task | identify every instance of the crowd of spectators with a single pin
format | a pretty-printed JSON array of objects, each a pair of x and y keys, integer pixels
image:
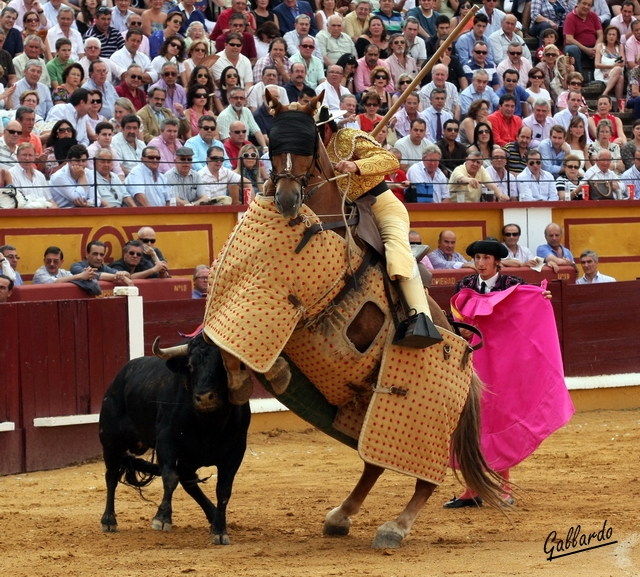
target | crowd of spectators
[{"x": 149, "y": 104}]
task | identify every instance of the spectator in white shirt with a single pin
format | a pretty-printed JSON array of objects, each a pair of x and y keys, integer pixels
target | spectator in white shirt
[
  {"x": 145, "y": 183},
  {"x": 601, "y": 170},
  {"x": 589, "y": 264},
  {"x": 64, "y": 29},
  {"x": 75, "y": 111},
  {"x": 72, "y": 185},
  {"x": 427, "y": 179},
  {"x": 539, "y": 122},
  {"x": 535, "y": 183},
  {"x": 518, "y": 255},
  {"x": 126, "y": 144},
  {"x": 130, "y": 54},
  {"x": 219, "y": 183},
  {"x": 29, "y": 180}
]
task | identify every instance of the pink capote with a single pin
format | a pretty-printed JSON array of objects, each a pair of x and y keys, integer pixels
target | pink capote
[{"x": 526, "y": 398}]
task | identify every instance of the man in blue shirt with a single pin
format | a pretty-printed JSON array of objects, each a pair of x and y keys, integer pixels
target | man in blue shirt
[
  {"x": 204, "y": 141},
  {"x": 72, "y": 185},
  {"x": 553, "y": 151},
  {"x": 510, "y": 86},
  {"x": 289, "y": 10},
  {"x": 464, "y": 44},
  {"x": 632, "y": 176},
  {"x": 553, "y": 253}
]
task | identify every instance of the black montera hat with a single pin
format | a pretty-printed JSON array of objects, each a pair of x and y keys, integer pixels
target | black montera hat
[{"x": 488, "y": 247}]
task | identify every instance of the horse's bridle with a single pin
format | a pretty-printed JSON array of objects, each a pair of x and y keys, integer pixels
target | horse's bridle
[{"x": 301, "y": 179}]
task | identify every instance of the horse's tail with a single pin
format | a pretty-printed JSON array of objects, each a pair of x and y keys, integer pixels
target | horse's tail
[{"x": 466, "y": 451}]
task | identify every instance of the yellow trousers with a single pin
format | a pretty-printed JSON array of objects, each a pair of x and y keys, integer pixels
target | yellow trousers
[{"x": 392, "y": 219}]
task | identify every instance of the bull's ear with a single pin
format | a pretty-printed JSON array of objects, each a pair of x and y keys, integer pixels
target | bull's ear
[
  {"x": 272, "y": 102},
  {"x": 178, "y": 365},
  {"x": 315, "y": 104}
]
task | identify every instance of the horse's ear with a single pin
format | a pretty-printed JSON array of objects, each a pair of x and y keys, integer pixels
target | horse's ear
[
  {"x": 315, "y": 104},
  {"x": 273, "y": 104}
]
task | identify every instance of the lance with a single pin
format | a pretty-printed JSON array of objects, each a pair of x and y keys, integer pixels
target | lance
[{"x": 425, "y": 70}]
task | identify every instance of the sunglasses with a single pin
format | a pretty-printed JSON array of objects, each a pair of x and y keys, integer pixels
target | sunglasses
[
  {"x": 208, "y": 128},
  {"x": 202, "y": 76},
  {"x": 136, "y": 24},
  {"x": 234, "y": 45},
  {"x": 484, "y": 132},
  {"x": 216, "y": 158},
  {"x": 380, "y": 77},
  {"x": 231, "y": 75},
  {"x": 169, "y": 74},
  {"x": 405, "y": 82},
  {"x": 532, "y": 162},
  {"x": 515, "y": 53},
  {"x": 399, "y": 42},
  {"x": 511, "y": 234},
  {"x": 371, "y": 104},
  {"x": 249, "y": 155},
  {"x": 185, "y": 159},
  {"x": 96, "y": 102},
  {"x": 511, "y": 80},
  {"x": 14, "y": 132},
  {"x": 481, "y": 51},
  {"x": 575, "y": 83},
  {"x": 31, "y": 20},
  {"x": 198, "y": 50},
  {"x": 537, "y": 77},
  {"x": 307, "y": 46},
  {"x": 133, "y": 253},
  {"x": 573, "y": 166},
  {"x": 552, "y": 54},
  {"x": 449, "y": 129},
  {"x": 149, "y": 240},
  {"x": 135, "y": 76},
  {"x": 239, "y": 131},
  {"x": 151, "y": 158}
]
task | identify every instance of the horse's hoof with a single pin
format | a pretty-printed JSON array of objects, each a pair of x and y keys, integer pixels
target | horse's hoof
[
  {"x": 221, "y": 539},
  {"x": 160, "y": 525},
  {"x": 109, "y": 528},
  {"x": 240, "y": 394},
  {"x": 336, "y": 524},
  {"x": 388, "y": 536},
  {"x": 279, "y": 376}
]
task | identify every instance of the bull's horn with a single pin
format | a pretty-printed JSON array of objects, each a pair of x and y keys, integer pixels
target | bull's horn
[{"x": 177, "y": 351}]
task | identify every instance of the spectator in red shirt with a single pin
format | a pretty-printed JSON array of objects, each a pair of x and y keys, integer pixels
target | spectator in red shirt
[
  {"x": 237, "y": 139},
  {"x": 582, "y": 31},
  {"x": 504, "y": 122},
  {"x": 131, "y": 88}
]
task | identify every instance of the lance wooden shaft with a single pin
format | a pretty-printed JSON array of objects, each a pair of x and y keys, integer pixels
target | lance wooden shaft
[{"x": 425, "y": 70}]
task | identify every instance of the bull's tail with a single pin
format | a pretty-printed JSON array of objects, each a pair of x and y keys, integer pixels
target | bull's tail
[
  {"x": 138, "y": 472},
  {"x": 466, "y": 451}
]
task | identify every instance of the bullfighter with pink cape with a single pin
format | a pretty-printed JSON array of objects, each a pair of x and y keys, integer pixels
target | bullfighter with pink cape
[{"x": 526, "y": 398}]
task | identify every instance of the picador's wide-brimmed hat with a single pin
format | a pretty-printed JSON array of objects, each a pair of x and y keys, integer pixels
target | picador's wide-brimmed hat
[{"x": 488, "y": 247}]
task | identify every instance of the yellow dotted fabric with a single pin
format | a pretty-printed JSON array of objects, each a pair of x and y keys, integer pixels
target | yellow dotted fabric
[
  {"x": 411, "y": 434},
  {"x": 248, "y": 311}
]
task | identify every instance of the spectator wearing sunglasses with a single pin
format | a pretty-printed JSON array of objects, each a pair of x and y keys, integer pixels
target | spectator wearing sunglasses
[
  {"x": 134, "y": 22},
  {"x": 480, "y": 60},
  {"x": 220, "y": 184},
  {"x": 176, "y": 100},
  {"x": 147, "y": 236},
  {"x": 501, "y": 39},
  {"x": 155, "y": 112},
  {"x": 237, "y": 139},
  {"x": 75, "y": 111},
  {"x": 466, "y": 42},
  {"x": 189, "y": 12},
  {"x": 9, "y": 144},
  {"x": 172, "y": 51},
  {"x": 535, "y": 183},
  {"x": 518, "y": 255},
  {"x": 131, "y": 87},
  {"x": 145, "y": 183},
  {"x": 132, "y": 261},
  {"x": 232, "y": 56},
  {"x": 515, "y": 61}
]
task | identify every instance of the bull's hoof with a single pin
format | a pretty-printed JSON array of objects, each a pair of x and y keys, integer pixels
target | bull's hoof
[
  {"x": 160, "y": 525},
  {"x": 221, "y": 539},
  {"x": 109, "y": 528},
  {"x": 279, "y": 376},
  {"x": 336, "y": 523},
  {"x": 388, "y": 536}
]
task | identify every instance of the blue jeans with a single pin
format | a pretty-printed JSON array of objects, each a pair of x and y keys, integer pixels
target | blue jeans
[
  {"x": 573, "y": 50},
  {"x": 635, "y": 104}
]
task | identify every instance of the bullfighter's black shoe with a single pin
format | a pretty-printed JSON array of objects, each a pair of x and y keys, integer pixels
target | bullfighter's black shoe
[{"x": 456, "y": 503}]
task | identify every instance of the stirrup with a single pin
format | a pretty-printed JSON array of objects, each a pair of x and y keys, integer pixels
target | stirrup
[{"x": 417, "y": 332}]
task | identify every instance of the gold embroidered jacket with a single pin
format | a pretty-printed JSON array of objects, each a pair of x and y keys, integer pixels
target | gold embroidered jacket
[{"x": 373, "y": 161}]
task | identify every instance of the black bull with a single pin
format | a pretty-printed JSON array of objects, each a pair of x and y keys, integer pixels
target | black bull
[{"x": 180, "y": 407}]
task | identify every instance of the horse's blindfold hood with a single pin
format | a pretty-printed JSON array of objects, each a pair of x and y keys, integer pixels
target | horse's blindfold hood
[{"x": 293, "y": 132}]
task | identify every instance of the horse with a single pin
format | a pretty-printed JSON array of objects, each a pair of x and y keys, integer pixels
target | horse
[{"x": 307, "y": 179}]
